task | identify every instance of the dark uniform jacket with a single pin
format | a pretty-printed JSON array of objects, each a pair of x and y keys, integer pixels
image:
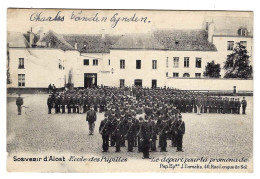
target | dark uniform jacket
[
  {"x": 105, "y": 127},
  {"x": 49, "y": 102},
  {"x": 180, "y": 128},
  {"x": 146, "y": 131},
  {"x": 91, "y": 116},
  {"x": 130, "y": 130},
  {"x": 19, "y": 101}
]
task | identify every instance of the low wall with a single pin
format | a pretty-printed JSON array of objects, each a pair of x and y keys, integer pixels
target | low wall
[{"x": 210, "y": 84}]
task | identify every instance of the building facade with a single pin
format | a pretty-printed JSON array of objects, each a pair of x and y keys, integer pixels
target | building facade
[{"x": 36, "y": 60}]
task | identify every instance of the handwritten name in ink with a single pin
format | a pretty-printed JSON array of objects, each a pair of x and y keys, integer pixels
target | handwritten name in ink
[
  {"x": 40, "y": 17},
  {"x": 115, "y": 19}
]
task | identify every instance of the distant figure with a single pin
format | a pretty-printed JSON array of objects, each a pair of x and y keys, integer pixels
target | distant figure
[
  {"x": 91, "y": 118},
  {"x": 244, "y": 104},
  {"x": 49, "y": 89},
  {"x": 53, "y": 88},
  {"x": 49, "y": 104},
  {"x": 198, "y": 104},
  {"x": 19, "y": 103}
]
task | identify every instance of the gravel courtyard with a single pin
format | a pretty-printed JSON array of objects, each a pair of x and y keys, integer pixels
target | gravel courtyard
[{"x": 208, "y": 135}]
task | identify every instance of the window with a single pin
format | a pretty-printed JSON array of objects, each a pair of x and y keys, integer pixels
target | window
[
  {"x": 185, "y": 75},
  {"x": 186, "y": 62},
  {"x": 244, "y": 43},
  {"x": 154, "y": 83},
  {"x": 95, "y": 62},
  {"x": 175, "y": 62},
  {"x": 138, "y": 82},
  {"x": 122, "y": 64},
  {"x": 198, "y": 62},
  {"x": 167, "y": 62},
  {"x": 154, "y": 64},
  {"x": 60, "y": 65},
  {"x": 230, "y": 45},
  {"x": 197, "y": 75},
  {"x": 242, "y": 32},
  {"x": 166, "y": 74},
  {"x": 122, "y": 83},
  {"x": 21, "y": 63},
  {"x": 21, "y": 79},
  {"x": 176, "y": 75},
  {"x": 108, "y": 61},
  {"x": 86, "y": 62},
  {"x": 138, "y": 64}
]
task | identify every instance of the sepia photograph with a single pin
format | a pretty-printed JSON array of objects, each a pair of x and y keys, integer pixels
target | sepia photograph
[{"x": 99, "y": 91}]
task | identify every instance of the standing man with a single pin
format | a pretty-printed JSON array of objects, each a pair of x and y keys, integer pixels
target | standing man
[
  {"x": 49, "y": 89},
  {"x": 130, "y": 134},
  {"x": 104, "y": 130},
  {"x": 163, "y": 132},
  {"x": 180, "y": 131},
  {"x": 146, "y": 137},
  {"x": 49, "y": 104},
  {"x": 244, "y": 104},
  {"x": 91, "y": 118},
  {"x": 19, "y": 103}
]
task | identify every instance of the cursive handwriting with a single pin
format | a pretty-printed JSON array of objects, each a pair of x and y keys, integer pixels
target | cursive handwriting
[{"x": 38, "y": 17}]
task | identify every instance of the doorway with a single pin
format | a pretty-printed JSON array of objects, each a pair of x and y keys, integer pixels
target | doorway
[
  {"x": 154, "y": 83},
  {"x": 90, "y": 80}
]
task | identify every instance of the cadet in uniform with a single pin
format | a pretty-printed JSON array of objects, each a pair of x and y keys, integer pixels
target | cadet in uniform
[
  {"x": 130, "y": 134},
  {"x": 104, "y": 130},
  {"x": 244, "y": 105},
  {"x": 49, "y": 104},
  {"x": 118, "y": 131},
  {"x": 163, "y": 131},
  {"x": 146, "y": 134},
  {"x": 19, "y": 103},
  {"x": 180, "y": 131},
  {"x": 91, "y": 118}
]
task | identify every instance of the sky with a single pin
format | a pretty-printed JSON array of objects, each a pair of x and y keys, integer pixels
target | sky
[{"x": 22, "y": 20}]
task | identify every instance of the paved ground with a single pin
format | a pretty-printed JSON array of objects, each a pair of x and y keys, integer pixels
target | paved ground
[{"x": 208, "y": 135}]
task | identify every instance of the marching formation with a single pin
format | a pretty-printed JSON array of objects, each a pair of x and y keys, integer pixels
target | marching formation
[
  {"x": 140, "y": 117},
  {"x": 79, "y": 101}
]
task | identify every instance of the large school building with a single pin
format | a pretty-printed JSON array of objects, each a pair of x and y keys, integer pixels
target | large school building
[{"x": 156, "y": 59}]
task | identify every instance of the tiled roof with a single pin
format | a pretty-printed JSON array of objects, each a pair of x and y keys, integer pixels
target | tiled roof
[
  {"x": 228, "y": 26},
  {"x": 16, "y": 39},
  {"x": 184, "y": 40},
  {"x": 175, "y": 40},
  {"x": 56, "y": 40},
  {"x": 138, "y": 41},
  {"x": 92, "y": 43}
]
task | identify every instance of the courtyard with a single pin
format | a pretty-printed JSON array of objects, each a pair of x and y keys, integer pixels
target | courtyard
[{"x": 207, "y": 135}]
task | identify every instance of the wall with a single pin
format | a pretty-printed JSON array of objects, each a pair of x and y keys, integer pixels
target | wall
[
  {"x": 206, "y": 56},
  {"x": 130, "y": 73},
  {"x": 210, "y": 84},
  {"x": 41, "y": 67}
]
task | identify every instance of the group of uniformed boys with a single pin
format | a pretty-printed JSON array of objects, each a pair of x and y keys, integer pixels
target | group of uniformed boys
[
  {"x": 79, "y": 101},
  {"x": 141, "y": 116}
]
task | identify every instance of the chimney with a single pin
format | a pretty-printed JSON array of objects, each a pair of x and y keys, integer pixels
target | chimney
[
  {"x": 40, "y": 32},
  {"x": 76, "y": 46},
  {"x": 210, "y": 28},
  {"x": 31, "y": 38}
]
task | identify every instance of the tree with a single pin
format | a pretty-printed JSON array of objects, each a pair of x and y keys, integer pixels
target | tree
[
  {"x": 237, "y": 64},
  {"x": 212, "y": 70}
]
